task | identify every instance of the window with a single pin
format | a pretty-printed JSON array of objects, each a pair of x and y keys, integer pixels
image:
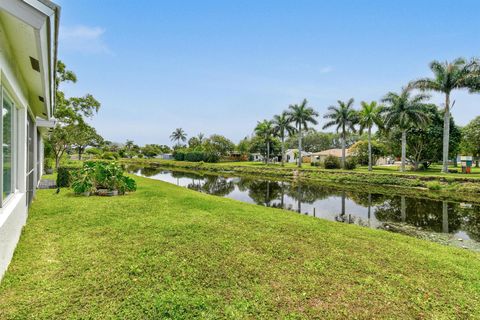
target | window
[{"x": 8, "y": 150}]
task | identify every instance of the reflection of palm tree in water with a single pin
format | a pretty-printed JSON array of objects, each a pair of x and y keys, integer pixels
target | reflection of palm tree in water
[
  {"x": 403, "y": 209},
  {"x": 342, "y": 216},
  {"x": 445, "y": 216}
]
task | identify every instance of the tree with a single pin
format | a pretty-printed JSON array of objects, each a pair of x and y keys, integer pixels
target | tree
[
  {"x": 404, "y": 112},
  {"x": 70, "y": 113},
  {"x": 344, "y": 117},
  {"x": 84, "y": 135},
  {"x": 449, "y": 76},
  {"x": 302, "y": 116},
  {"x": 265, "y": 130},
  {"x": 178, "y": 135},
  {"x": 152, "y": 150},
  {"x": 365, "y": 152},
  {"x": 281, "y": 127},
  {"x": 244, "y": 146},
  {"x": 257, "y": 144},
  {"x": 471, "y": 138},
  {"x": 368, "y": 116},
  {"x": 219, "y": 145}
]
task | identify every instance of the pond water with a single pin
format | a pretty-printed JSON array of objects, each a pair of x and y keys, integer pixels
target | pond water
[{"x": 460, "y": 221}]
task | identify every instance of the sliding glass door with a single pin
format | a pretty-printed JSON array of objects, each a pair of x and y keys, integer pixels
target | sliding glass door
[{"x": 8, "y": 151}]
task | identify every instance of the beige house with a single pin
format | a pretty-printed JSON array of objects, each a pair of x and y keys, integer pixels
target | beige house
[{"x": 320, "y": 156}]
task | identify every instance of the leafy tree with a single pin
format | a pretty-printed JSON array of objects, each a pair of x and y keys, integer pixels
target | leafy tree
[
  {"x": 194, "y": 143},
  {"x": 70, "y": 113},
  {"x": 84, "y": 135},
  {"x": 368, "y": 116},
  {"x": 219, "y": 145},
  {"x": 257, "y": 144},
  {"x": 344, "y": 117},
  {"x": 151, "y": 150},
  {"x": 178, "y": 136},
  {"x": 281, "y": 127},
  {"x": 129, "y": 150},
  {"x": 405, "y": 112},
  {"x": 265, "y": 130},
  {"x": 366, "y": 152},
  {"x": 449, "y": 76},
  {"x": 243, "y": 146},
  {"x": 302, "y": 116},
  {"x": 425, "y": 144},
  {"x": 471, "y": 138}
]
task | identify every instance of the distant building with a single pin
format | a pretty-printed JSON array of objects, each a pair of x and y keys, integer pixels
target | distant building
[
  {"x": 322, "y": 155},
  {"x": 291, "y": 155},
  {"x": 165, "y": 156}
]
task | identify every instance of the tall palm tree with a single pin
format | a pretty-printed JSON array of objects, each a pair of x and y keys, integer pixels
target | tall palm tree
[
  {"x": 368, "y": 116},
  {"x": 201, "y": 138},
  {"x": 178, "y": 135},
  {"x": 282, "y": 125},
  {"x": 344, "y": 117},
  {"x": 404, "y": 112},
  {"x": 302, "y": 116},
  {"x": 265, "y": 130},
  {"x": 449, "y": 76}
]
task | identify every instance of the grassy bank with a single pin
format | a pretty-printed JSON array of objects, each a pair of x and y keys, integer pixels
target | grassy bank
[
  {"x": 436, "y": 185},
  {"x": 168, "y": 252}
]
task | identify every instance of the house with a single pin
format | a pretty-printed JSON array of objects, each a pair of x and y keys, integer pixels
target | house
[
  {"x": 320, "y": 156},
  {"x": 257, "y": 157},
  {"x": 291, "y": 156},
  {"x": 165, "y": 156},
  {"x": 28, "y": 49}
]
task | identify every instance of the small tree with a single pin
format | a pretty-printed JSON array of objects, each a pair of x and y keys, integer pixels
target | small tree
[{"x": 265, "y": 130}]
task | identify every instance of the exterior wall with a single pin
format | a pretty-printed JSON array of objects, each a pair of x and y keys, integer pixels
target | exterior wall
[{"x": 13, "y": 213}]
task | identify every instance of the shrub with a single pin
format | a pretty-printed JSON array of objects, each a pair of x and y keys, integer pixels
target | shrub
[
  {"x": 110, "y": 155},
  {"x": 97, "y": 175},
  {"x": 434, "y": 185},
  {"x": 194, "y": 156},
  {"x": 179, "y": 155},
  {"x": 350, "y": 163},
  {"x": 331, "y": 162},
  {"x": 211, "y": 157},
  {"x": 64, "y": 176}
]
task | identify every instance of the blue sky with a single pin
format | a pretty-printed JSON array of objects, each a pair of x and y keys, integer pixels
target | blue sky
[{"x": 220, "y": 66}]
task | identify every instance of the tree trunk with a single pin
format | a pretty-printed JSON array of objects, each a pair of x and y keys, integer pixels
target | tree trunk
[
  {"x": 343, "y": 148},
  {"x": 300, "y": 146},
  {"x": 446, "y": 133},
  {"x": 403, "y": 209},
  {"x": 369, "y": 148},
  {"x": 404, "y": 150},
  {"x": 57, "y": 161},
  {"x": 445, "y": 216},
  {"x": 79, "y": 153},
  {"x": 268, "y": 152},
  {"x": 283, "y": 150}
]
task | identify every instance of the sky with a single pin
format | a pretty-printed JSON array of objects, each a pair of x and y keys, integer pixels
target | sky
[{"x": 220, "y": 66}]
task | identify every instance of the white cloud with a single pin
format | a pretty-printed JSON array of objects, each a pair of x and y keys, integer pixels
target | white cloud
[
  {"x": 83, "y": 39},
  {"x": 326, "y": 69}
]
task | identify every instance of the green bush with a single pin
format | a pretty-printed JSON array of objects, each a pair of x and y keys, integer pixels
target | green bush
[
  {"x": 211, "y": 157},
  {"x": 64, "y": 176},
  {"x": 434, "y": 185},
  {"x": 110, "y": 155},
  {"x": 331, "y": 162},
  {"x": 179, "y": 155},
  {"x": 350, "y": 163},
  {"x": 97, "y": 175},
  {"x": 194, "y": 156}
]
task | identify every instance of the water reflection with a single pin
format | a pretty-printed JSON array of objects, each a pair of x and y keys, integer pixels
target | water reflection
[{"x": 362, "y": 208}]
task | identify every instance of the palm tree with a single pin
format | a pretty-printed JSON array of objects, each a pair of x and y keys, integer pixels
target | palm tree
[
  {"x": 404, "y": 112},
  {"x": 265, "y": 130},
  {"x": 302, "y": 116},
  {"x": 368, "y": 116},
  {"x": 344, "y": 117},
  {"x": 281, "y": 126},
  {"x": 449, "y": 76},
  {"x": 201, "y": 138},
  {"x": 178, "y": 135}
]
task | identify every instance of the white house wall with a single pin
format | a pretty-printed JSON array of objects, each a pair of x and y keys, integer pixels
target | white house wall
[{"x": 13, "y": 213}]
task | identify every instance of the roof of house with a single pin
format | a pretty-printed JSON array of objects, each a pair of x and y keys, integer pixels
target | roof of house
[
  {"x": 31, "y": 29},
  {"x": 331, "y": 152}
]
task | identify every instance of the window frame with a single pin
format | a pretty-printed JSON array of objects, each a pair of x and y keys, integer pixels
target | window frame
[{"x": 14, "y": 146}]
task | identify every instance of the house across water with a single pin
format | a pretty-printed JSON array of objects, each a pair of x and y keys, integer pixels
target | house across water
[{"x": 28, "y": 54}]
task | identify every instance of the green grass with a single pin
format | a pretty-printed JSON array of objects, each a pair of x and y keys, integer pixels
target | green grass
[{"x": 168, "y": 252}]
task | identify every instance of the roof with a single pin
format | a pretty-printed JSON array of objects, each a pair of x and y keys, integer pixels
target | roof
[
  {"x": 331, "y": 152},
  {"x": 31, "y": 31}
]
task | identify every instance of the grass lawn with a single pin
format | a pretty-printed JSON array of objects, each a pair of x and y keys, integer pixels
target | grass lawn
[{"x": 168, "y": 252}]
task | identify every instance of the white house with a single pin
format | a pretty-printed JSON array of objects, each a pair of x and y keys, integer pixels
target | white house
[
  {"x": 322, "y": 155},
  {"x": 28, "y": 53},
  {"x": 291, "y": 155}
]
